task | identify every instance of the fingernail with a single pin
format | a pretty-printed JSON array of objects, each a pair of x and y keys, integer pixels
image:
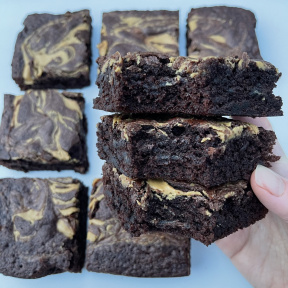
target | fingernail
[{"x": 269, "y": 180}]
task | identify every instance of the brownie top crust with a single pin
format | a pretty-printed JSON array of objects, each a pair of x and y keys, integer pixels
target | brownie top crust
[
  {"x": 43, "y": 126},
  {"x": 52, "y": 46},
  {"x": 40, "y": 222},
  {"x": 106, "y": 229},
  {"x": 220, "y": 128},
  {"x": 135, "y": 31},
  {"x": 182, "y": 66},
  {"x": 150, "y": 82},
  {"x": 221, "y": 31}
]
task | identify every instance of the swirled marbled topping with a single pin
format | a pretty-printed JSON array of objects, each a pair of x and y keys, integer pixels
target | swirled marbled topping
[
  {"x": 57, "y": 48},
  {"x": 43, "y": 126},
  {"x": 135, "y": 31},
  {"x": 221, "y": 31}
]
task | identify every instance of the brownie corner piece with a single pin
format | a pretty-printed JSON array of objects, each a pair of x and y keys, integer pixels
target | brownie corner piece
[
  {"x": 42, "y": 226},
  {"x": 44, "y": 130},
  {"x": 135, "y": 31},
  {"x": 53, "y": 51},
  {"x": 206, "y": 215},
  {"x": 110, "y": 249},
  {"x": 221, "y": 31}
]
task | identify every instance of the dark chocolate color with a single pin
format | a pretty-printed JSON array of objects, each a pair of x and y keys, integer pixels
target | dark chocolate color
[
  {"x": 207, "y": 151},
  {"x": 182, "y": 208},
  {"x": 156, "y": 83}
]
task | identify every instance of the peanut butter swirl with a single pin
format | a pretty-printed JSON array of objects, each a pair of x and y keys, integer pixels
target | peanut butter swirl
[
  {"x": 52, "y": 47},
  {"x": 43, "y": 126},
  {"x": 221, "y": 31},
  {"x": 223, "y": 129},
  {"x": 134, "y": 31},
  {"x": 41, "y": 223},
  {"x": 42, "y": 203}
]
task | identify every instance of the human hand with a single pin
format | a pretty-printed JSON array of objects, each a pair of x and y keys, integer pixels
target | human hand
[{"x": 260, "y": 252}]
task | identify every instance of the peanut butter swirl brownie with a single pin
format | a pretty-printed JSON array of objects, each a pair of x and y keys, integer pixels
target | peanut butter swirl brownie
[
  {"x": 157, "y": 83},
  {"x": 206, "y": 151},
  {"x": 221, "y": 31},
  {"x": 182, "y": 208},
  {"x": 53, "y": 51},
  {"x": 111, "y": 249},
  {"x": 43, "y": 226},
  {"x": 44, "y": 130},
  {"x": 135, "y": 31}
]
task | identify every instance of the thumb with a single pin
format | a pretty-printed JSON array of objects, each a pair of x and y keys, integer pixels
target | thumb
[{"x": 272, "y": 190}]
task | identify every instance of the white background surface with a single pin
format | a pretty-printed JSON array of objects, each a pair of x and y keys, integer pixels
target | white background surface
[{"x": 210, "y": 268}]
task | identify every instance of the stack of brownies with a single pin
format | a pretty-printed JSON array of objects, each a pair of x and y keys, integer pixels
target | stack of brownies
[
  {"x": 110, "y": 248},
  {"x": 173, "y": 164}
]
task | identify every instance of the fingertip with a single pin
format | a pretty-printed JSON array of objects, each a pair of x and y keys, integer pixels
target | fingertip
[{"x": 271, "y": 189}]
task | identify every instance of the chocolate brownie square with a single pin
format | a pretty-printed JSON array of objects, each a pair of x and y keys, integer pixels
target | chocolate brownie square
[
  {"x": 43, "y": 226},
  {"x": 206, "y": 151},
  {"x": 111, "y": 249},
  {"x": 135, "y": 31},
  {"x": 214, "y": 86},
  {"x": 182, "y": 208},
  {"x": 44, "y": 130},
  {"x": 221, "y": 31},
  {"x": 53, "y": 51}
]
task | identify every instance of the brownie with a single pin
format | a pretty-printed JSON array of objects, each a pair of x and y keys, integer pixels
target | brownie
[
  {"x": 221, "y": 31},
  {"x": 156, "y": 83},
  {"x": 135, "y": 31},
  {"x": 53, "y": 51},
  {"x": 44, "y": 130},
  {"x": 207, "y": 151},
  {"x": 182, "y": 208},
  {"x": 111, "y": 249},
  {"x": 43, "y": 226}
]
